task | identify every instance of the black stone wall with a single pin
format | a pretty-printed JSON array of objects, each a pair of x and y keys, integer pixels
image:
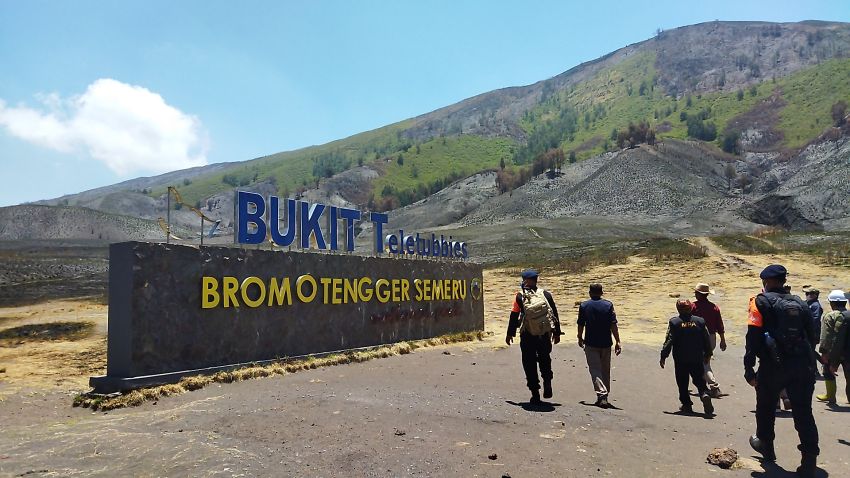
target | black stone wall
[{"x": 157, "y": 324}]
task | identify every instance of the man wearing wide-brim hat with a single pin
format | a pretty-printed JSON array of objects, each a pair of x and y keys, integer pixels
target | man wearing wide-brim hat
[{"x": 714, "y": 324}]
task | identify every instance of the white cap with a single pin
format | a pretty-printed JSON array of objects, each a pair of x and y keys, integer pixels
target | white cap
[{"x": 837, "y": 296}]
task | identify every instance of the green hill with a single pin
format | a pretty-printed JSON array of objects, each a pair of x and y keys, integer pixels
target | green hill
[{"x": 739, "y": 86}]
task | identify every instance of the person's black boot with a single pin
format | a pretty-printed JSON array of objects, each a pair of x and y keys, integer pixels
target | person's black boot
[
  {"x": 764, "y": 447},
  {"x": 547, "y": 389},
  {"x": 808, "y": 465},
  {"x": 535, "y": 396}
]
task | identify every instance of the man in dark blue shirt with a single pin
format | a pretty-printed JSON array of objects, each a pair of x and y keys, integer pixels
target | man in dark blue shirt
[{"x": 597, "y": 322}]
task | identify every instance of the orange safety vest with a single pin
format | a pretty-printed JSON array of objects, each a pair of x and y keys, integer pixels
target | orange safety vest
[{"x": 754, "y": 317}]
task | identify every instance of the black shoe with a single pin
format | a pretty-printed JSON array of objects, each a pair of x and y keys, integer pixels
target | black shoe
[
  {"x": 535, "y": 397},
  {"x": 808, "y": 465},
  {"x": 547, "y": 389},
  {"x": 603, "y": 403},
  {"x": 764, "y": 447},
  {"x": 707, "y": 407},
  {"x": 687, "y": 408}
]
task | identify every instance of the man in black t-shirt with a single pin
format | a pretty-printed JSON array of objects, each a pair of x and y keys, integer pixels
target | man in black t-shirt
[{"x": 597, "y": 322}]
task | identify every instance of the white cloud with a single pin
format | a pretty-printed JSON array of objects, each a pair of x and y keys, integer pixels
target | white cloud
[{"x": 129, "y": 128}]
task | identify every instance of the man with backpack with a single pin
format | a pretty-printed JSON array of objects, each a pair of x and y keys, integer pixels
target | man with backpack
[
  {"x": 535, "y": 314},
  {"x": 835, "y": 345},
  {"x": 781, "y": 335}
]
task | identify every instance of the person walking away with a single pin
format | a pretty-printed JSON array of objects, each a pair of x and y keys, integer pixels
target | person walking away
[
  {"x": 780, "y": 336},
  {"x": 535, "y": 314},
  {"x": 812, "y": 296},
  {"x": 687, "y": 337},
  {"x": 597, "y": 323},
  {"x": 714, "y": 323},
  {"x": 835, "y": 345}
]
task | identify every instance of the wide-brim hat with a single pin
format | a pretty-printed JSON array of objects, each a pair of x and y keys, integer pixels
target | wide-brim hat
[
  {"x": 837, "y": 295},
  {"x": 703, "y": 289}
]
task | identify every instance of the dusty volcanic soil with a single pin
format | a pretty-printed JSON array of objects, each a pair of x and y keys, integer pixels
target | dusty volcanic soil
[{"x": 436, "y": 412}]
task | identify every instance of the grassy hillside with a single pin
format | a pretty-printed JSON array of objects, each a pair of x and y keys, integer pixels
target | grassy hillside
[
  {"x": 582, "y": 119},
  {"x": 585, "y": 118}
]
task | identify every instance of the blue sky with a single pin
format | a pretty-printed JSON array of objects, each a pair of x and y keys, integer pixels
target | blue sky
[{"x": 93, "y": 93}]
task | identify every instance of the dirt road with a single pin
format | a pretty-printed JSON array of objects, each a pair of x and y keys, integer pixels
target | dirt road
[{"x": 436, "y": 412}]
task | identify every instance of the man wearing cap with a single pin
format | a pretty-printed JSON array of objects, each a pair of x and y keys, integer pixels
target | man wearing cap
[
  {"x": 835, "y": 345},
  {"x": 597, "y": 322},
  {"x": 812, "y": 296},
  {"x": 687, "y": 337},
  {"x": 535, "y": 340},
  {"x": 714, "y": 323},
  {"x": 781, "y": 336}
]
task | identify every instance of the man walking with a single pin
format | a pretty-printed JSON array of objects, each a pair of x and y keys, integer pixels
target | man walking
[
  {"x": 687, "y": 337},
  {"x": 781, "y": 336},
  {"x": 714, "y": 323},
  {"x": 597, "y": 322},
  {"x": 812, "y": 296},
  {"x": 535, "y": 314},
  {"x": 835, "y": 345}
]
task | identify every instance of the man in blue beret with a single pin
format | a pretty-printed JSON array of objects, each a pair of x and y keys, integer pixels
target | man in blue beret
[
  {"x": 536, "y": 316},
  {"x": 780, "y": 334}
]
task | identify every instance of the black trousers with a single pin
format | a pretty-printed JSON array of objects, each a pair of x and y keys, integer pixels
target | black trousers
[
  {"x": 536, "y": 349},
  {"x": 798, "y": 379},
  {"x": 686, "y": 370}
]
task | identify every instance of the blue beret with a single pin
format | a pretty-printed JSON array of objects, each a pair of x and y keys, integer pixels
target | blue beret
[
  {"x": 529, "y": 274},
  {"x": 773, "y": 271}
]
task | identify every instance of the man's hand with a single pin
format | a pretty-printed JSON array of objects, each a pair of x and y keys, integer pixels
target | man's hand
[
  {"x": 750, "y": 377},
  {"x": 508, "y": 339},
  {"x": 556, "y": 337},
  {"x": 662, "y": 363},
  {"x": 833, "y": 369},
  {"x": 581, "y": 342},
  {"x": 617, "y": 349},
  {"x": 722, "y": 345}
]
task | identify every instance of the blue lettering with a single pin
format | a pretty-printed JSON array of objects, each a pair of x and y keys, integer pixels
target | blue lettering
[
  {"x": 409, "y": 245},
  {"x": 245, "y": 217},
  {"x": 378, "y": 220},
  {"x": 310, "y": 215},
  {"x": 392, "y": 243},
  {"x": 350, "y": 215},
  {"x": 288, "y": 237},
  {"x": 332, "y": 227}
]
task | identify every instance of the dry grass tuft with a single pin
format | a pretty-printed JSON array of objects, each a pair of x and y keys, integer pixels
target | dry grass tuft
[{"x": 135, "y": 398}]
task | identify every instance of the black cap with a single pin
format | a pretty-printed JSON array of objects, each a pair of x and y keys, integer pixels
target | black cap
[
  {"x": 773, "y": 271},
  {"x": 529, "y": 274}
]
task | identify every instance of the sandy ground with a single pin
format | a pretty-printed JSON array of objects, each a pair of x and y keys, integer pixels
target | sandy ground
[{"x": 437, "y": 412}]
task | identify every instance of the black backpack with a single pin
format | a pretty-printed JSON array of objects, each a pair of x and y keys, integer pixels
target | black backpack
[{"x": 787, "y": 326}]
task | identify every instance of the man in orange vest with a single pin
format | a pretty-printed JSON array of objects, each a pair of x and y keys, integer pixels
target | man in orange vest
[
  {"x": 536, "y": 345},
  {"x": 781, "y": 336}
]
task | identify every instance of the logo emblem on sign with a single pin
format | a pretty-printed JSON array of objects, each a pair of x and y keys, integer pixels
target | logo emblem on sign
[{"x": 476, "y": 289}]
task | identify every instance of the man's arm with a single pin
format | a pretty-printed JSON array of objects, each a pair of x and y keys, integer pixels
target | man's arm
[
  {"x": 668, "y": 343},
  {"x": 706, "y": 344},
  {"x": 721, "y": 330},
  {"x": 557, "y": 320},
  {"x": 580, "y": 325},
  {"x": 615, "y": 331},
  {"x": 513, "y": 321}
]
